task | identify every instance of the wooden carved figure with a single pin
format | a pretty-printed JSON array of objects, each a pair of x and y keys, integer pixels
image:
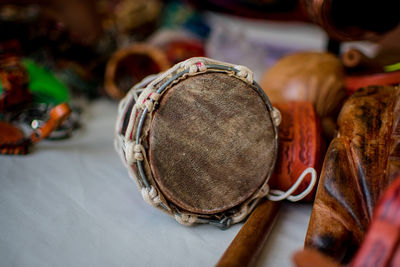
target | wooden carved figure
[{"x": 360, "y": 163}]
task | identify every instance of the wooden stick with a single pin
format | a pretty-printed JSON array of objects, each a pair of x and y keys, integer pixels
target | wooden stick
[{"x": 248, "y": 243}]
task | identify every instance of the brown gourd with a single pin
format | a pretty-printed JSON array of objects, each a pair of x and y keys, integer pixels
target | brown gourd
[{"x": 309, "y": 76}]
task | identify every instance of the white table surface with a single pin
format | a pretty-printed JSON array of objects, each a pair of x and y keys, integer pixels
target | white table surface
[{"x": 72, "y": 203}]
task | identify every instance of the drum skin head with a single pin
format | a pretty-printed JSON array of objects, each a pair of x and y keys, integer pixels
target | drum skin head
[{"x": 211, "y": 143}]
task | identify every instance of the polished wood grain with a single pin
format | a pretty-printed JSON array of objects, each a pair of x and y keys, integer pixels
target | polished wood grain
[
  {"x": 313, "y": 258},
  {"x": 245, "y": 248},
  {"x": 360, "y": 163}
]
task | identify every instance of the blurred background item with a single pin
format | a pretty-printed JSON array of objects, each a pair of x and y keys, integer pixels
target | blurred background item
[
  {"x": 13, "y": 140},
  {"x": 309, "y": 76},
  {"x": 353, "y": 20},
  {"x": 130, "y": 65},
  {"x": 288, "y": 10}
]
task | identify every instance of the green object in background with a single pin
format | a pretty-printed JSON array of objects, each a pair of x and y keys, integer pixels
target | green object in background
[
  {"x": 392, "y": 67},
  {"x": 45, "y": 87}
]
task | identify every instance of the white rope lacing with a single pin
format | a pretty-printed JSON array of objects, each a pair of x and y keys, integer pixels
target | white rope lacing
[
  {"x": 278, "y": 195},
  {"x": 133, "y": 152},
  {"x": 151, "y": 196},
  {"x": 241, "y": 215},
  {"x": 194, "y": 65},
  {"x": 245, "y": 72},
  {"x": 185, "y": 219},
  {"x": 276, "y": 116}
]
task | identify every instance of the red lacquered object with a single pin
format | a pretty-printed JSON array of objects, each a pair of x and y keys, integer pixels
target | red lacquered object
[
  {"x": 300, "y": 146},
  {"x": 353, "y": 83},
  {"x": 381, "y": 244}
]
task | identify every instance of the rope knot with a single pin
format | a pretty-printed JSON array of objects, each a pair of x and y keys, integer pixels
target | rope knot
[
  {"x": 185, "y": 219},
  {"x": 155, "y": 96},
  {"x": 195, "y": 65},
  {"x": 133, "y": 152},
  {"x": 138, "y": 148},
  {"x": 148, "y": 102},
  {"x": 276, "y": 117},
  {"x": 151, "y": 196},
  {"x": 245, "y": 73},
  {"x": 149, "y": 105}
]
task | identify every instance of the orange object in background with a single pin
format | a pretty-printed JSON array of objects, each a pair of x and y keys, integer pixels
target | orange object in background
[
  {"x": 12, "y": 140},
  {"x": 353, "y": 83},
  {"x": 130, "y": 65},
  {"x": 14, "y": 79},
  {"x": 309, "y": 76}
]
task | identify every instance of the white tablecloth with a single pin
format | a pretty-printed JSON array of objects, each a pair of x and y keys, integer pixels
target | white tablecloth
[{"x": 72, "y": 203}]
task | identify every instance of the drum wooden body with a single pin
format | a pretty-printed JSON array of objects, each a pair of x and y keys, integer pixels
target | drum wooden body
[
  {"x": 300, "y": 146},
  {"x": 201, "y": 141}
]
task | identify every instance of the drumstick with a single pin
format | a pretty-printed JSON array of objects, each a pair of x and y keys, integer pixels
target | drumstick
[{"x": 247, "y": 245}]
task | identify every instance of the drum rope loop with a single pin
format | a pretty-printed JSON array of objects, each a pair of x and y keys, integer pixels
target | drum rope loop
[
  {"x": 151, "y": 196},
  {"x": 185, "y": 219},
  {"x": 194, "y": 65},
  {"x": 133, "y": 152},
  {"x": 278, "y": 195},
  {"x": 276, "y": 116},
  {"x": 149, "y": 105},
  {"x": 244, "y": 211},
  {"x": 245, "y": 72},
  {"x": 155, "y": 96}
]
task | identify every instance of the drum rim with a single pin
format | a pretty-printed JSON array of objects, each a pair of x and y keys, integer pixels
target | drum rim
[{"x": 131, "y": 139}]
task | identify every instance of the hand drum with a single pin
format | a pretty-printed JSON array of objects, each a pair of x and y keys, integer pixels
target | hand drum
[{"x": 201, "y": 141}]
